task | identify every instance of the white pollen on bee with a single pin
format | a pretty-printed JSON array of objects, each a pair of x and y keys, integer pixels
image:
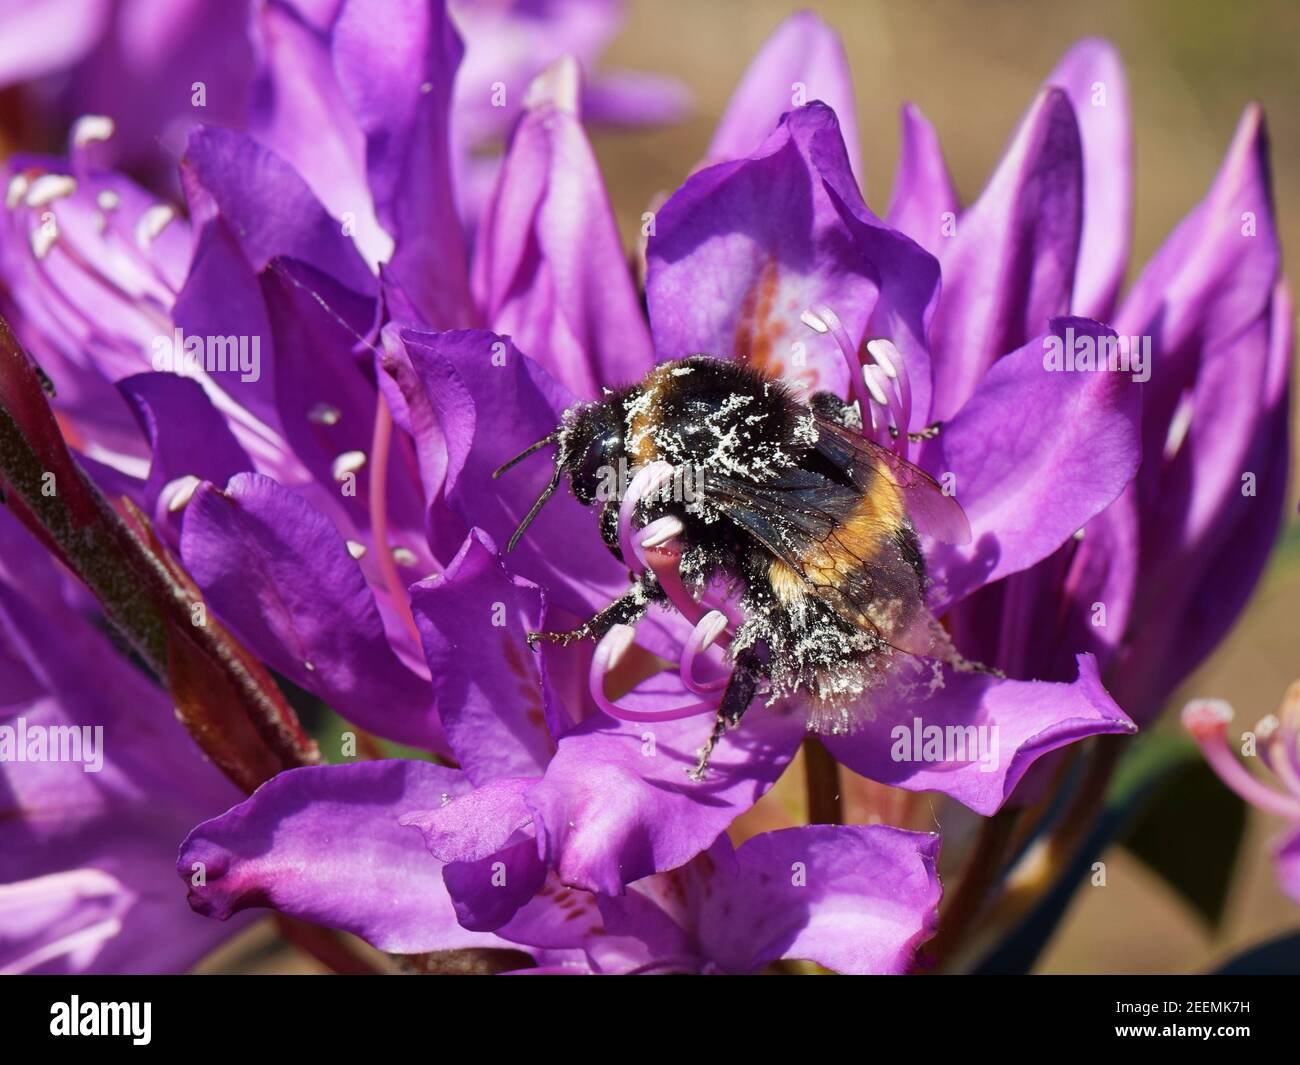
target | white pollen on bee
[
  {"x": 324, "y": 414},
  {"x": 50, "y": 187},
  {"x": 404, "y": 556},
  {"x": 90, "y": 128},
  {"x": 682, "y": 371},
  {"x": 43, "y": 238},
  {"x": 348, "y": 462},
  {"x": 152, "y": 222},
  {"x": 356, "y": 549},
  {"x": 16, "y": 190},
  {"x": 814, "y": 323},
  {"x": 179, "y": 492},
  {"x": 108, "y": 200}
]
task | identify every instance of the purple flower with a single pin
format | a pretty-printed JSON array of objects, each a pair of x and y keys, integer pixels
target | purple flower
[
  {"x": 1151, "y": 583},
  {"x": 271, "y": 65},
  {"x": 739, "y": 254},
  {"x": 1275, "y": 740},
  {"x": 99, "y": 783},
  {"x": 330, "y": 487},
  {"x": 307, "y": 847}
]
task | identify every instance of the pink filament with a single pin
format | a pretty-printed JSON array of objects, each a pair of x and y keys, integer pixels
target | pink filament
[
  {"x": 648, "y": 480},
  {"x": 1208, "y": 724},
  {"x": 888, "y": 374},
  {"x": 608, "y": 651},
  {"x": 859, "y": 388},
  {"x": 709, "y": 629},
  {"x": 379, "y": 517}
]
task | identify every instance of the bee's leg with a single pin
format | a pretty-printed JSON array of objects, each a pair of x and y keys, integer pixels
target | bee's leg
[
  {"x": 740, "y": 692},
  {"x": 626, "y": 609},
  {"x": 928, "y": 433},
  {"x": 609, "y": 527}
]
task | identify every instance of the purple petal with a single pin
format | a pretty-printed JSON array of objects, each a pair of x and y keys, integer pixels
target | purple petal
[
  {"x": 300, "y": 112},
  {"x": 29, "y": 50},
  {"x": 802, "y": 51},
  {"x": 473, "y": 619},
  {"x": 82, "y": 853},
  {"x": 399, "y": 88},
  {"x": 744, "y": 248},
  {"x": 924, "y": 203},
  {"x": 549, "y": 268},
  {"x": 1035, "y": 454},
  {"x": 513, "y": 403},
  {"x": 1215, "y": 420},
  {"x": 1287, "y": 857},
  {"x": 1093, "y": 77},
  {"x": 980, "y": 767},
  {"x": 267, "y": 205},
  {"x": 485, "y": 837},
  {"x": 616, "y": 803},
  {"x": 279, "y": 574},
  {"x": 1011, "y": 265},
  {"x": 187, "y": 438},
  {"x": 324, "y": 843},
  {"x": 326, "y": 401},
  {"x": 856, "y": 899}
]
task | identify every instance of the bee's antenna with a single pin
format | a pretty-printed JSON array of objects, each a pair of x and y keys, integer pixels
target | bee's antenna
[
  {"x": 530, "y": 449},
  {"x": 547, "y": 492}
]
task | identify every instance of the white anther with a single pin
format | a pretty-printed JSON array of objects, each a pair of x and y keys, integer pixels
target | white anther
[
  {"x": 1268, "y": 724},
  {"x": 348, "y": 462},
  {"x": 662, "y": 531},
  {"x": 404, "y": 556},
  {"x": 152, "y": 222},
  {"x": 814, "y": 323},
  {"x": 710, "y": 627},
  {"x": 1206, "y": 713},
  {"x": 886, "y": 355},
  {"x": 108, "y": 200},
  {"x": 179, "y": 492},
  {"x": 90, "y": 128},
  {"x": 356, "y": 549},
  {"x": 324, "y": 414},
  {"x": 50, "y": 187},
  {"x": 616, "y": 643},
  {"x": 17, "y": 190},
  {"x": 874, "y": 386},
  {"x": 43, "y": 238}
]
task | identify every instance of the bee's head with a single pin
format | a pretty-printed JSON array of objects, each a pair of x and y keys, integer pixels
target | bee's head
[{"x": 590, "y": 449}]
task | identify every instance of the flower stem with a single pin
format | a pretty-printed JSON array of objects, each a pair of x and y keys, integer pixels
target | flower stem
[
  {"x": 822, "y": 784},
  {"x": 978, "y": 880}
]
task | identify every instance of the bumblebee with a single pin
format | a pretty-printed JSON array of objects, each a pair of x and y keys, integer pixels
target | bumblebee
[{"x": 813, "y": 525}]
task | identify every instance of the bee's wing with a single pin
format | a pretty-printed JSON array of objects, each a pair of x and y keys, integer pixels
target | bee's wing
[
  {"x": 934, "y": 514},
  {"x": 864, "y": 570}
]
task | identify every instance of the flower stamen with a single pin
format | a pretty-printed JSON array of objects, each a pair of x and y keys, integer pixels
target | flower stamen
[{"x": 1207, "y": 721}]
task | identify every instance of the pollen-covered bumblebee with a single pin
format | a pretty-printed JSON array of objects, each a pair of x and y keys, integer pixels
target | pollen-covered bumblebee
[{"x": 814, "y": 525}]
